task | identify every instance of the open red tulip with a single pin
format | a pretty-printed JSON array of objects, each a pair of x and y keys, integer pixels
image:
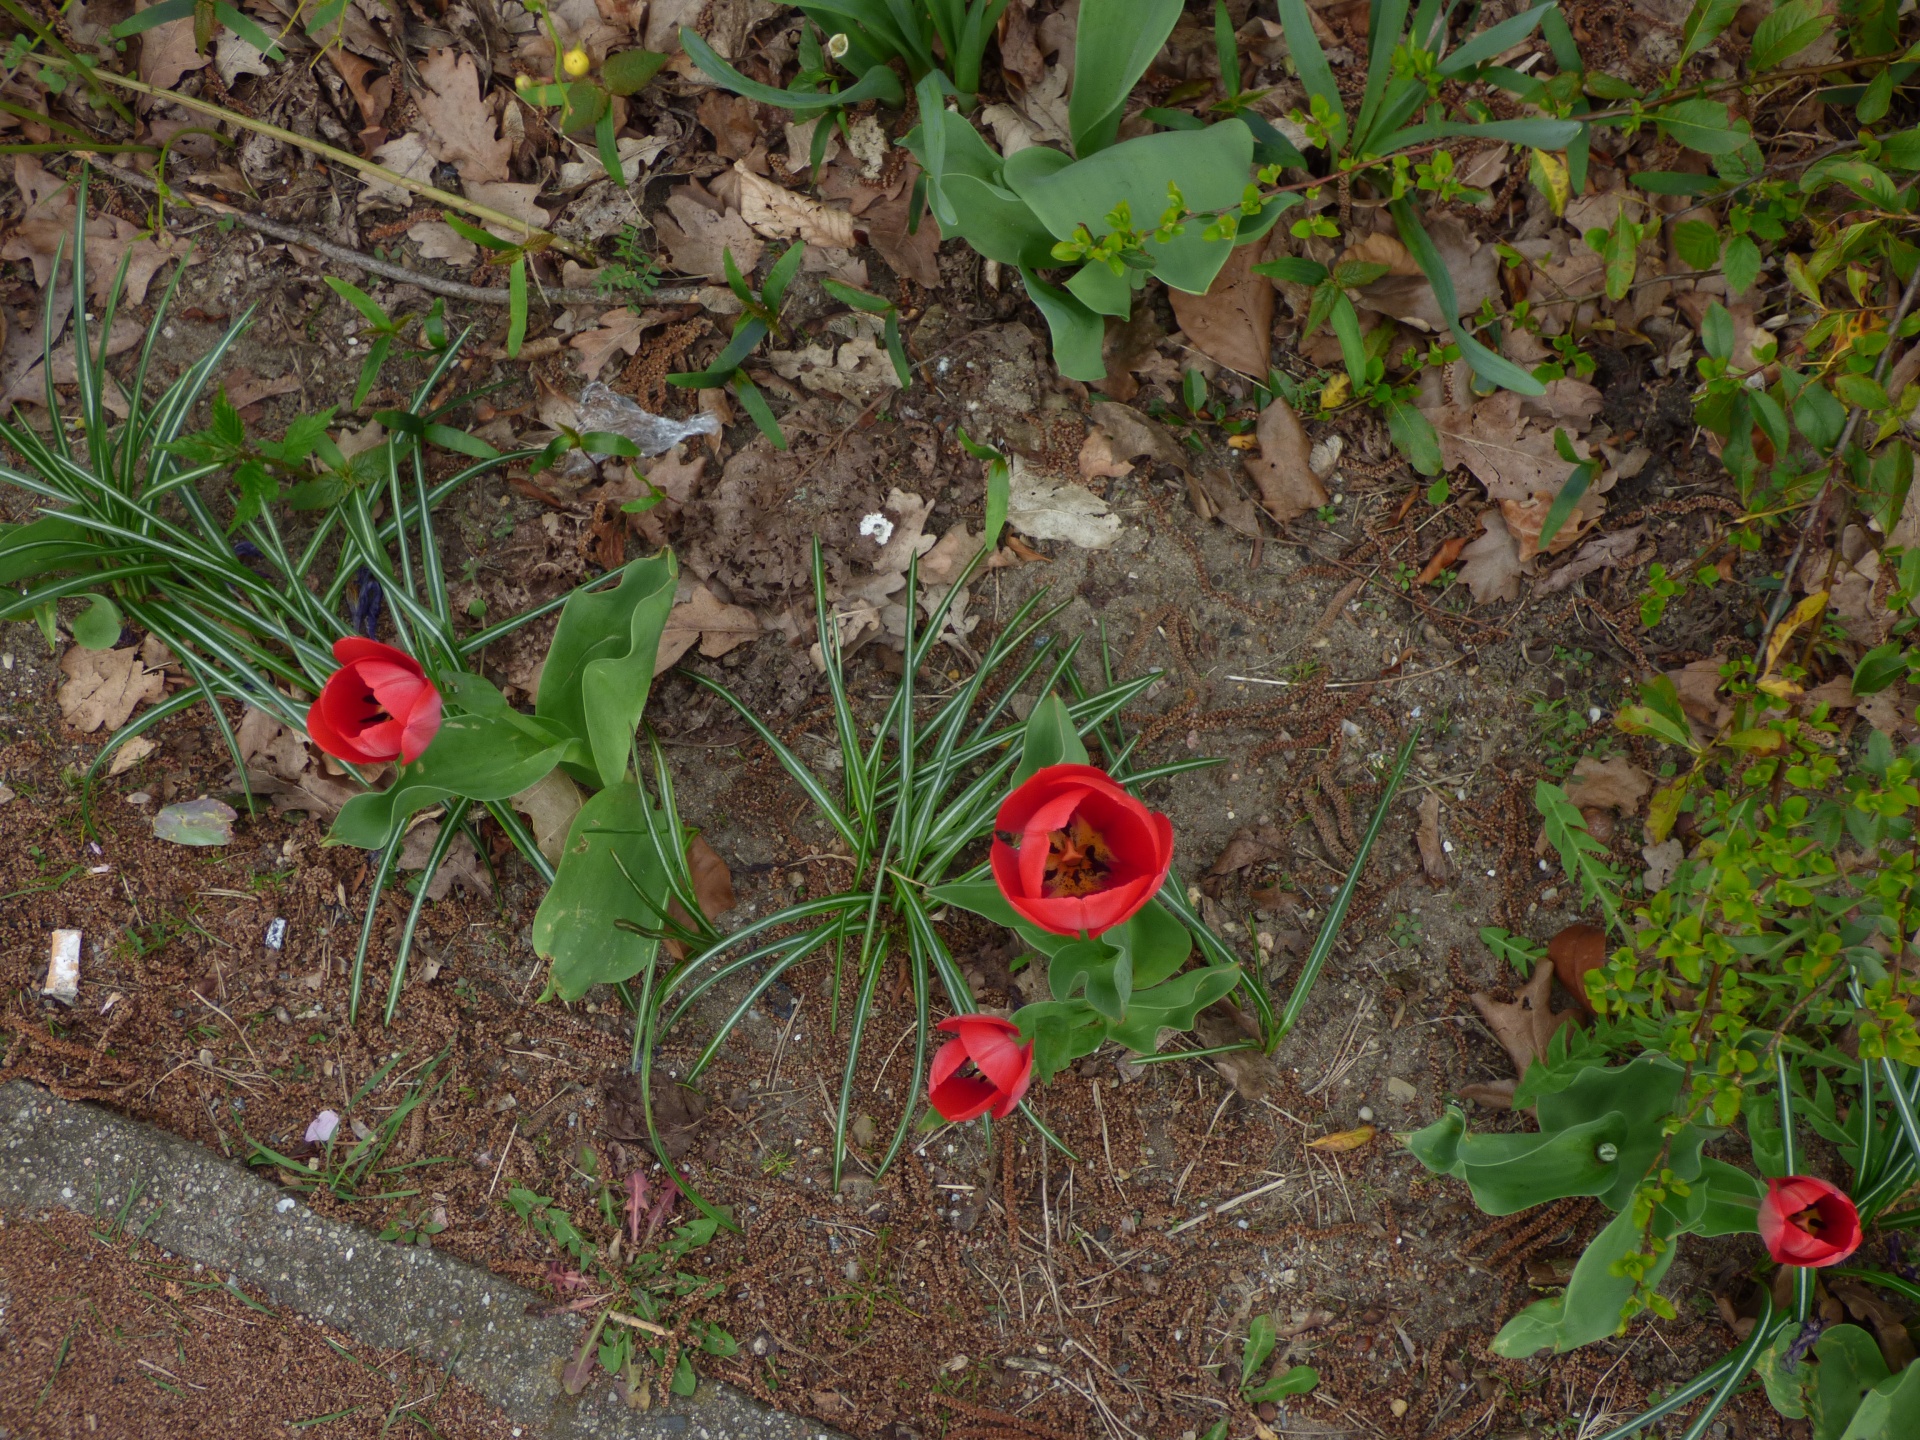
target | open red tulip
[
  {"x": 379, "y": 705},
  {"x": 1002, "y": 1068},
  {"x": 1074, "y": 852},
  {"x": 1805, "y": 1221}
]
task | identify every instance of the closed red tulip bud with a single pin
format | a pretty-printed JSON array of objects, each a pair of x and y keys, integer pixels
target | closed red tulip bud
[
  {"x": 1805, "y": 1221},
  {"x": 378, "y": 706},
  {"x": 1001, "y": 1068},
  {"x": 1074, "y": 852}
]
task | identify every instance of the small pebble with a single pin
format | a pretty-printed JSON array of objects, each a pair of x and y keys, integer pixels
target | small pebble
[{"x": 1365, "y": 1113}]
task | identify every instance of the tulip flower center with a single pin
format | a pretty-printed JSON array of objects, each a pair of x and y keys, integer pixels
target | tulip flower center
[
  {"x": 1809, "y": 1220},
  {"x": 1078, "y": 860}
]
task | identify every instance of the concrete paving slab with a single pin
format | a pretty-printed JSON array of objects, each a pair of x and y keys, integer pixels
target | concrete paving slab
[{"x": 54, "y": 1153}]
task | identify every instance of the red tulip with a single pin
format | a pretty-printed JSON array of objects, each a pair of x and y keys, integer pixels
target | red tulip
[
  {"x": 1085, "y": 855},
  {"x": 1002, "y": 1068},
  {"x": 1805, "y": 1221},
  {"x": 378, "y": 705}
]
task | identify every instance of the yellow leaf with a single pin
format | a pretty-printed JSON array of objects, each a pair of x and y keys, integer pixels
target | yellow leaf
[
  {"x": 1548, "y": 172},
  {"x": 1806, "y": 610},
  {"x": 1777, "y": 687},
  {"x": 1664, "y": 809},
  {"x": 1345, "y": 1140},
  {"x": 1334, "y": 393},
  {"x": 1764, "y": 742},
  {"x": 1803, "y": 282}
]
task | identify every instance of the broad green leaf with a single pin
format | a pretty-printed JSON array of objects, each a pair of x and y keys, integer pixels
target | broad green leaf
[
  {"x": 1539, "y": 134},
  {"x": 98, "y": 626},
  {"x": 360, "y": 301},
  {"x": 1261, "y": 1338},
  {"x": 1705, "y": 24},
  {"x": 1051, "y": 739},
  {"x": 1114, "y": 44},
  {"x": 1818, "y": 416},
  {"x": 1172, "y": 1005},
  {"x": 1786, "y": 1388},
  {"x": 1311, "y": 61},
  {"x": 1862, "y": 391},
  {"x": 1516, "y": 950},
  {"x": 1101, "y": 291},
  {"x": 40, "y": 547},
  {"x": 1716, "y": 331},
  {"x": 610, "y": 870},
  {"x": 1733, "y": 1199},
  {"x": 1079, "y": 335},
  {"x": 1674, "y": 182},
  {"x": 626, "y": 72},
  {"x": 1741, "y": 263},
  {"x": 1697, "y": 243},
  {"x": 1514, "y": 1172},
  {"x": 1874, "y": 104},
  {"x": 1876, "y": 670},
  {"x": 1642, "y": 1095},
  {"x": 1496, "y": 38},
  {"x": 1061, "y": 1031},
  {"x": 1291, "y": 268},
  {"x": 1157, "y": 944},
  {"x": 1889, "y": 1411},
  {"x": 1103, "y": 970},
  {"x": 1590, "y": 1308},
  {"x": 1212, "y": 166},
  {"x": 1848, "y": 1366},
  {"x": 1791, "y": 27},
  {"x": 1703, "y": 125},
  {"x": 600, "y": 664},
  {"x": 476, "y": 756},
  {"x": 1572, "y": 491},
  {"x": 1622, "y": 255},
  {"x": 983, "y": 898},
  {"x": 1487, "y": 365},
  {"x": 1296, "y": 1380},
  {"x": 1414, "y": 436}
]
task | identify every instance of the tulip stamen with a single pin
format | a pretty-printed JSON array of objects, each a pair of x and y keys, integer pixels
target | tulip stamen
[{"x": 1078, "y": 860}]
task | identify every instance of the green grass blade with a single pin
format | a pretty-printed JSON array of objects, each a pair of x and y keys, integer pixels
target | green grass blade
[
  {"x": 381, "y": 875},
  {"x": 443, "y": 842},
  {"x": 791, "y": 763}
]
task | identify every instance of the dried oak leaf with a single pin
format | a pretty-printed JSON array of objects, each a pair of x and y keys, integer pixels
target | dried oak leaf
[
  {"x": 1599, "y": 553},
  {"x": 704, "y": 619},
  {"x": 1524, "y": 1026},
  {"x": 1247, "y": 846},
  {"x": 1232, "y": 324},
  {"x": 104, "y": 687},
  {"x": 1049, "y": 507},
  {"x": 1282, "y": 470},
  {"x": 696, "y": 235},
  {"x": 550, "y": 805},
  {"x": 1490, "y": 566},
  {"x": 1132, "y": 434},
  {"x": 461, "y": 863},
  {"x": 1518, "y": 465},
  {"x": 1099, "y": 460},
  {"x": 782, "y": 214},
  {"x": 712, "y": 881},
  {"x": 1615, "y": 784}
]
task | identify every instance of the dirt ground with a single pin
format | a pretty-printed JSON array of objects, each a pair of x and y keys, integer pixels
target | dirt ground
[
  {"x": 985, "y": 1286},
  {"x": 102, "y": 1333}
]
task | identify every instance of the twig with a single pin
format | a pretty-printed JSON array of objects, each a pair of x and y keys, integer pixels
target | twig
[
  {"x": 486, "y": 213},
  {"x": 1816, "y": 518},
  {"x": 433, "y": 284}
]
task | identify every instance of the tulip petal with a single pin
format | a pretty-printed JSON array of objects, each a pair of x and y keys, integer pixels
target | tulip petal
[
  {"x": 356, "y": 647},
  {"x": 1036, "y": 836},
  {"x": 962, "y": 1097},
  {"x": 996, "y": 1054},
  {"x": 322, "y": 731},
  {"x": 423, "y": 723}
]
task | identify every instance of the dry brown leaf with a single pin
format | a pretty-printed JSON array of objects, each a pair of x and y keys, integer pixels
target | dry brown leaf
[
  {"x": 618, "y": 333},
  {"x": 1247, "y": 846},
  {"x": 371, "y": 91},
  {"x": 131, "y": 754},
  {"x": 1490, "y": 566},
  {"x": 730, "y": 120},
  {"x": 1495, "y": 1094},
  {"x": 1053, "y": 507},
  {"x": 1600, "y": 553},
  {"x": 1891, "y": 711},
  {"x": 456, "y": 122},
  {"x": 1663, "y": 862},
  {"x": 1524, "y": 1026},
  {"x": 244, "y": 388},
  {"x": 1433, "y": 854},
  {"x": 1344, "y": 1140},
  {"x": 104, "y": 687},
  {"x": 1098, "y": 461},
  {"x": 1889, "y": 1329},
  {"x": 1473, "y": 266},
  {"x": 1134, "y": 435},
  {"x": 696, "y": 235},
  {"x": 461, "y": 863},
  {"x": 440, "y": 241},
  {"x": 1698, "y": 685},
  {"x": 1448, "y": 552},
  {"x": 48, "y": 221},
  {"x": 550, "y": 805},
  {"x": 781, "y": 214},
  {"x": 712, "y": 881},
  {"x": 1518, "y": 464},
  {"x": 1215, "y": 496},
  {"x": 705, "y": 619},
  {"x": 1288, "y": 487},
  {"x": 1574, "y": 951},
  {"x": 1615, "y": 783},
  {"x": 1380, "y": 248},
  {"x": 1232, "y": 324},
  {"x": 167, "y": 52}
]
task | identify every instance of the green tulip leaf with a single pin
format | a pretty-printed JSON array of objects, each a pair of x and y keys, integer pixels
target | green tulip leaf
[
  {"x": 600, "y": 664},
  {"x": 1172, "y": 1005},
  {"x": 610, "y": 870},
  {"x": 1105, "y": 971},
  {"x": 98, "y": 626},
  {"x": 1051, "y": 739},
  {"x": 1061, "y": 1031}
]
